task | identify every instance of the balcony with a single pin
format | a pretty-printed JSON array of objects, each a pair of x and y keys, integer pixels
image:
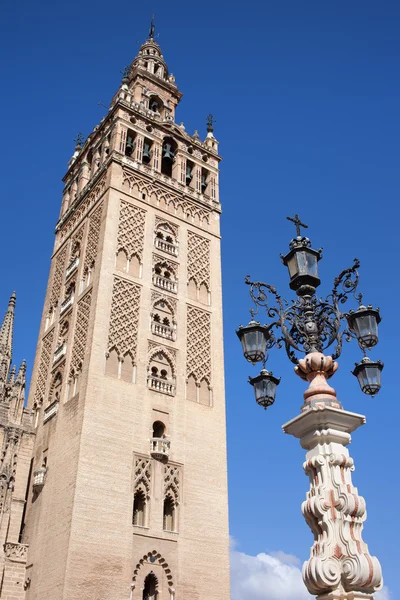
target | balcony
[
  {"x": 158, "y": 384},
  {"x": 162, "y": 330},
  {"x": 50, "y": 411},
  {"x": 66, "y": 304},
  {"x": 166, "y": 246},
  {"x": 16, "y": 552},
  {"x": 73, "y": 265},
  {"x": 39, "y": 477},
  {"x": 159, "y": 448},
  {"x": 165, "y": 283},
  {"x": 60, "y": 352}
]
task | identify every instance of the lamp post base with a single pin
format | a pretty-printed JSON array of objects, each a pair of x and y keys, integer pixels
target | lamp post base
[{"x": 340, "y": 566}]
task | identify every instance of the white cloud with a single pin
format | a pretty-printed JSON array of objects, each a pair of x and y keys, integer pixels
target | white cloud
[
  {"x": 273, "y": 576},
  {"x": 384, "y": 594}
]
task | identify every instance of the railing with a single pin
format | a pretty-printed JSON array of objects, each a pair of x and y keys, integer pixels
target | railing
[
  {"x": 165, "y": 283},
  {"x": 66, "y": 304},
  {"x": 73, "y": 265},
  {"x": 159, "y": 448},
  {"x": 157, "y": 384},
  {"x": 39, "y": 477},
  {"x": 50, "y": 411},
  {"x": 166, "y": 246},
  {"x": 162, "y": 330},
  {"x": 60, "y": 352}
]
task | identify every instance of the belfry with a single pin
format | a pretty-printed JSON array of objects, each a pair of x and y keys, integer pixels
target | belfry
[{"x": 128, "y": 490}]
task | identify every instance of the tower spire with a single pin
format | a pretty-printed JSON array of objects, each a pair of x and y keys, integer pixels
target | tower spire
[
  {"x": 152, "y": 28},
  {"x": 6, "y": 335},
  {"x": 6, "y": 332}
]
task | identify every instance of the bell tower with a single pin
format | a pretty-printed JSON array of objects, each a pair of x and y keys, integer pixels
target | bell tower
[{"x": 129, "y": 491}]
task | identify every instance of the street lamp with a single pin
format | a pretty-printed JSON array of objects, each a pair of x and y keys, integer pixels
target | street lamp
[{"x": 340, "y": 566}]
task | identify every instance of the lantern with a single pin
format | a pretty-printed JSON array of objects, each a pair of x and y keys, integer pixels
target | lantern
[
  {"x": 302, "y": 264},
  {"x": 364, "y": 324},
  {"x": 254, "y": 339},
  {"x": 264, "y": 388},
  {"x": 368, "y": 374}
]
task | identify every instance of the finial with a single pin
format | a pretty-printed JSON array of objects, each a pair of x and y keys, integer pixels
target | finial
[
  {"x": 210, "y": 120},
  {"x": 152, "y": 28},
  {"x": 298, "y": 223},
  {"x": 13, "y": 298},
  {"x": 79, "y": 140},
  {"x": 125, "y": 72}
]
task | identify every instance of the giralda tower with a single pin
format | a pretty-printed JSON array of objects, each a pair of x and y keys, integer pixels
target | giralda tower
[{"x": 128, "y": 496}]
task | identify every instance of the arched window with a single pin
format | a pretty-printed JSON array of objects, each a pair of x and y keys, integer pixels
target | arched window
[
  {"x": 130, "y": 143},
  {"x": 139, "y": 508},
  {"x": 164, "y": 276},
  {"x": 147, "y": 151},
  {"x": 55, "y": 392},
  {"x": 156, "y": 104},
  {"x": 161, "y": 377},
  {"x": 158, "y": 429},
  {"x": 165, "y": 239},
  {"x": 169, "y": 513},
  {"x": 150, "y": 591},
  {"x": 168, "y": 156}
]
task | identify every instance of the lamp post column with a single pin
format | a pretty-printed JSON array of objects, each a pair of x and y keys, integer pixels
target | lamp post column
[{"x": 340, "y": 566}]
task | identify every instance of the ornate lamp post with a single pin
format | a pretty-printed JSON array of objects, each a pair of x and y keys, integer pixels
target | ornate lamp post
[{"x": 340, "y": 566}]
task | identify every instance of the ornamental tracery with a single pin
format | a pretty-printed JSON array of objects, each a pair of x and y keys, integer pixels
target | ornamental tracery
[
  {"x": 124, "y": 318},
  {"x": 93, "y": 237},
  {"x": 131, "y": 230},
  {"x": 44, "y": 365},
  {"x": 58, "y": 277},
  {"x": 198, "y": 260},
  {"x": 81, "y": 331},
  {"x": 172, "y": 201},
  {"x": 74, "y": 217},
  {"x": 198, "y": 354},
  {"x": 142, "y": 475}
]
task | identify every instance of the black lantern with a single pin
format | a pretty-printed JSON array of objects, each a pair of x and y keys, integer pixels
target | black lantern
[
  {"x": 264, "y": 388},
  {"x": 302, "y": 263},
  {"x": 254, "y": 339},
  {"x": 364, "y": 324},
  {"x": 368, "y": 374}
]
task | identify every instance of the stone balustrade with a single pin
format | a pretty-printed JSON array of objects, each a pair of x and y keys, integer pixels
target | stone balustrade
[
  {"x": 166, "y": 246},
  {"x": 158, "y": 384},
  {"x": 73, "y": 265},
  {"x": 165, "y": 331},
  {"x": 159, "y": 448},
  {"x": 66, "y": 304},
  {"x": 60, "y": 352},
  {"x": 50, "y": 411},
  {"x": 165, "y": 283}
]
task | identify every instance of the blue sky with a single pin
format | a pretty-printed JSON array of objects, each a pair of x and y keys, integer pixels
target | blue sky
[{"x": 306, "y": 97}]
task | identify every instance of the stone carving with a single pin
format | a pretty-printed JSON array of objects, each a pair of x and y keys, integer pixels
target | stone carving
[
  {"x": 340, "y": 566},
  {"x": 74, "y": 217},
  {"x": 77, "y": 241},
  {"x": 172, "y": 479},
  {"x": 169, "y": 301},
  {"x": 198, "y": 259},
  {"x": 160, "y": 222},
  {"x": 124, "y": 317},
  {"x": 58, "y": 277},
  {"x": 16, "y": 552},
  {"x": 166, "y": 263},
  {"x": 198, "y": 357},
  {"x": 93, "y": 237},
  {"x": 142, "y": 474},
  {"x": 81, "y": 330},
  {"x": 154, "y": 558},
  {"x": 172, "y": 199},
  {"x": 44, "y": 364},
  {"x": 131, "y": 230},
  {"x": 170, "y": 353}
]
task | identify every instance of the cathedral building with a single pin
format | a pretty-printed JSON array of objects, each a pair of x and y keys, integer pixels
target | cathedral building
[{"x": 127, "y": 497}]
